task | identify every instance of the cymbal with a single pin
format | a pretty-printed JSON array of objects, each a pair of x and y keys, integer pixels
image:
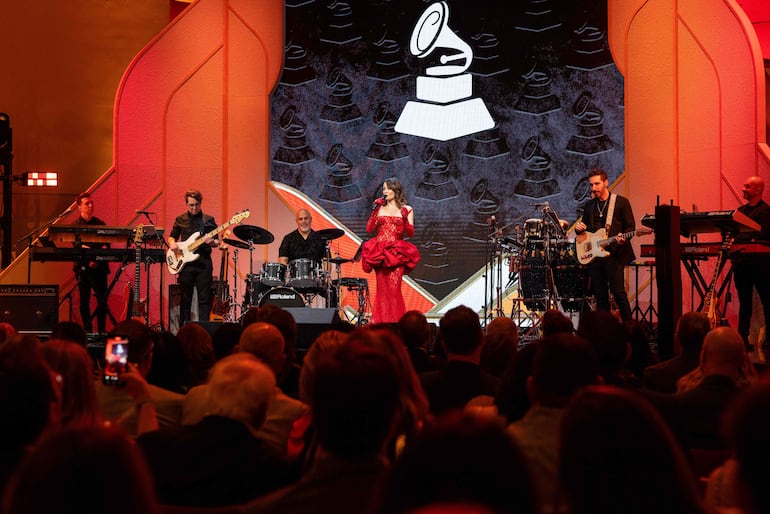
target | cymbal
[
  {"x": 327, "y": 234},
  {"x": 256, "y": 235},
  {"x": 339, "y": 260},
  {"x": 236, "y": 243}
]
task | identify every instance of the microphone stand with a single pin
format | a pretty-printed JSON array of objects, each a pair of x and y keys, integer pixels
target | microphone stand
[{"x": 31, "y": 239}]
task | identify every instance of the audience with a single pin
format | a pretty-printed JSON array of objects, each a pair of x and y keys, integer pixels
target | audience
[
  {"x": 691, "y": 328},
  {"x": 30, "y": 401},
  {"x": 618, "y": 456},
  {"x": 80, "y": 470},
  {"x": 265, "y": 342},
  {"x": 74, "y": 366},
  {"x": 198, "y": 353},
  {"x": 415, "y": 331},
  {"x": 168, "y": 368},
  {"x": 461, "y": 379},
  {"x": 511, "y": 400},
  {"x": 220, "y": 460},
  {"x": 70, "y": 331},
  {"x": 355, "y": 407},
  {"x": 563, "y": 364},
  {"x": 610, "y": 343},
  {"x": 500, "y": 344},
  {"x": 117, "y": 403},
  {"x": 468, "y": 460},
  {"x": 225, "y": 337}
]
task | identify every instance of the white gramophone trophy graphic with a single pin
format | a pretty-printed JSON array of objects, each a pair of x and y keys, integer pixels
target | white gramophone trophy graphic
[{"x": 444, "y": 108}]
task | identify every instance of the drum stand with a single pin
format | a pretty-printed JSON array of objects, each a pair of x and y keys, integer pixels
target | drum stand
[{"x": 234, "y": 303}]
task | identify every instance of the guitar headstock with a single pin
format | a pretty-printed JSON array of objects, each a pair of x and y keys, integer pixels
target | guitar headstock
[
  {"x": 138, "y": 234},
  {"x": 237, "y": 218}
]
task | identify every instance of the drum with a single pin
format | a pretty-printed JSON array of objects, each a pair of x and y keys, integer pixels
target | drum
[
  {"x": 568, "y": 276},
  {"x": 254, "y": 289},
  {"x": 283, "y": 297},
  {"x": 304, "y": 273},
  {"x": 533, "y": 287},
  {"x": 533, "y": 228},
  {"x": 273, "y": 274}
]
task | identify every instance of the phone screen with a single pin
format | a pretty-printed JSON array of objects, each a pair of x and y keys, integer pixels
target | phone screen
[{"x": 115, "y": 359}]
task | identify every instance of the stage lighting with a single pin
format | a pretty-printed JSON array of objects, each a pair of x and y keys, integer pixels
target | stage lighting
[{"x": 40, "y": 179}]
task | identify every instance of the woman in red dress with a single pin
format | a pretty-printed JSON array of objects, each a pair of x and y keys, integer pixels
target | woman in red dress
[{"x": 387, "y": 253}]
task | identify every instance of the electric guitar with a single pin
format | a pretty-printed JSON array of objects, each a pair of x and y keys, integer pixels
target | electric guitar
[
  {"x": 711, "y": 306},
  {"x": 591, "y": 245},
  {"x": 176, "y": 259}
]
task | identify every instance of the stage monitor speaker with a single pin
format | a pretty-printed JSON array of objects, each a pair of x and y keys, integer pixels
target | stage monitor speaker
[
  {"x": 310, "y": 324},
  {"x": 210, "y": 326},
  {"x": 30, "y": 308}
]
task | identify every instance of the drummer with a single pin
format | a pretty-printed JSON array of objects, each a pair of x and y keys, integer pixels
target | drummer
[{"x": 303, "y": 243}]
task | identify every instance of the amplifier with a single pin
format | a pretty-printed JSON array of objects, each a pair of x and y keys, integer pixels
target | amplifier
[{"x": 28, "y": 307}]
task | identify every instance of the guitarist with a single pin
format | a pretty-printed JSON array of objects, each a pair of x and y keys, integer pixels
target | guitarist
[
  {"x": 750, "y": 271},
  {"x": 606, "y": 274},
  {"x": 196, "y": 274}
]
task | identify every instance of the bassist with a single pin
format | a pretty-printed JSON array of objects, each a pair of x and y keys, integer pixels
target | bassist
[
  {"x": 197, "y": 274},
  {"x": 605, "y": 275}
]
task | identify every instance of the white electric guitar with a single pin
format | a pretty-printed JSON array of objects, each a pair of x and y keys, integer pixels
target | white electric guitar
[
  {"x": 591, "y": 245},
  {"x": 176, "y": 259}
]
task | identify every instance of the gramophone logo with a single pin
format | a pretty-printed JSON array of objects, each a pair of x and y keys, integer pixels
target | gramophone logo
[{"x": 444, "y": 108}]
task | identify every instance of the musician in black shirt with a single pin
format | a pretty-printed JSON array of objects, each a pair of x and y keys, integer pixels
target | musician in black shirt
[
  {"x": 91, "y": 275},
  {"x": 197, "y": 274},
  {"x": 750, "y": 271},
  {"x": 607, "y": 273},
  {"x": 303, "y": 243}
]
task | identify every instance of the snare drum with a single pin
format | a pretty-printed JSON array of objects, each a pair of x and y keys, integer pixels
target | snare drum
[
  {"x": 304, "y": 273},
  {"x": 273, "y": 274},
  {"x": 533, "y": 228}
]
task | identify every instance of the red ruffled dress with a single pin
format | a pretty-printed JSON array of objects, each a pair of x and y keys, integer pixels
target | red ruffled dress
[{"x": 390, "y": 257}]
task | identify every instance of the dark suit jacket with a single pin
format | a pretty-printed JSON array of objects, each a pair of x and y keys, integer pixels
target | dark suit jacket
[
  {"x": 455, "y": 384},
  {"x": 663, "y": 376},
  {"x": 214, "y": 462},
  {"x": 622, "y": 221}
]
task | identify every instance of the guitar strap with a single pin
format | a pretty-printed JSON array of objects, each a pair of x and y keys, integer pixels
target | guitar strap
[{"x": 610, "y": 212}]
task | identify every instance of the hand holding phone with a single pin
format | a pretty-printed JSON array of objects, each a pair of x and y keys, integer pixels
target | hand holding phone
[{"x": 115, "y": 359}]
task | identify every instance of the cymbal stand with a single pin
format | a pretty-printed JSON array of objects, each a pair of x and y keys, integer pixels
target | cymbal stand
[
  {"x": 551, "y": 230},
  {"x": 234, "y": 304},
  {"x": 493, "y": 303}
]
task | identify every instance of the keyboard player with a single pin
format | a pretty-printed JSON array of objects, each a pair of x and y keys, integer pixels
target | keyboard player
[
  {"x": 750, "y": 271},
  {"x": 91, "y": 275}
]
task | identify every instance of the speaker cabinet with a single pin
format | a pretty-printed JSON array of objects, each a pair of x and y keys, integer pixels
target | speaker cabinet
[
  {"x": 30, "y": 308},
  {"x": 310, "y": 323}
]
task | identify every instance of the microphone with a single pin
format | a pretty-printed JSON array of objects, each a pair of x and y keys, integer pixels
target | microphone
[
  {"x": 144, "y": 212},
  {"x": 376, "y": 204}
]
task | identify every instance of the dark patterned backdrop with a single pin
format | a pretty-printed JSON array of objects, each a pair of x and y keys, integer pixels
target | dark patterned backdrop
[{"x": 541, "y": 68}]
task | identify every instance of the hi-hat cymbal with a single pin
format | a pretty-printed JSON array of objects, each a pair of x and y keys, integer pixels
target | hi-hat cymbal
[
  {"x": 256, "y": 235},
  {"x": 236, "y": 243},
  {"x": 339, "y": 260},
  {"x": 327, "y": 234}
]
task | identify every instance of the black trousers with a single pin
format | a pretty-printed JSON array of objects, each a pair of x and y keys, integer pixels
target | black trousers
[
  {"x": 93, "y": 280},
  {"x": 749, "y": 273},
  {"x": 606, "y": 276},
  {"x": 195, "y": 276}
]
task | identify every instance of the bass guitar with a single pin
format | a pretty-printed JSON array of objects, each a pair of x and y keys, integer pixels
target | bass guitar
[
  {"x": 591, "y": 245},
  {"x": 176, "y": 259}
]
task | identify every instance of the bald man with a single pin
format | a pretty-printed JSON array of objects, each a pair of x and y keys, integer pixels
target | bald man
[
  {"x": 302, "y": 243},
  {"x": 750, "y": 271}
]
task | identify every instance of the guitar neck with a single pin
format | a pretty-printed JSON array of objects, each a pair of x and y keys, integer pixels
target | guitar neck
[
  {"x": 198, "y": 242},
  {"x": 625, "y": 235}
]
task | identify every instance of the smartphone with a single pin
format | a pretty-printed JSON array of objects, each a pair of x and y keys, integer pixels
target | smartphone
[{"x": 115, "y": 359}]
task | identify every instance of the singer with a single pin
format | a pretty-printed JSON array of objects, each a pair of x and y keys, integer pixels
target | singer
[
  {"x": 387, "y": 253},
  {"x": 613, "y": 212}
]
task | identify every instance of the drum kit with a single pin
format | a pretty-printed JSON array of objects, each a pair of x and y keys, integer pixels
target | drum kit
[
  {"x": 544, "y": 262},
  {"x": 297, "y": 284}
]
